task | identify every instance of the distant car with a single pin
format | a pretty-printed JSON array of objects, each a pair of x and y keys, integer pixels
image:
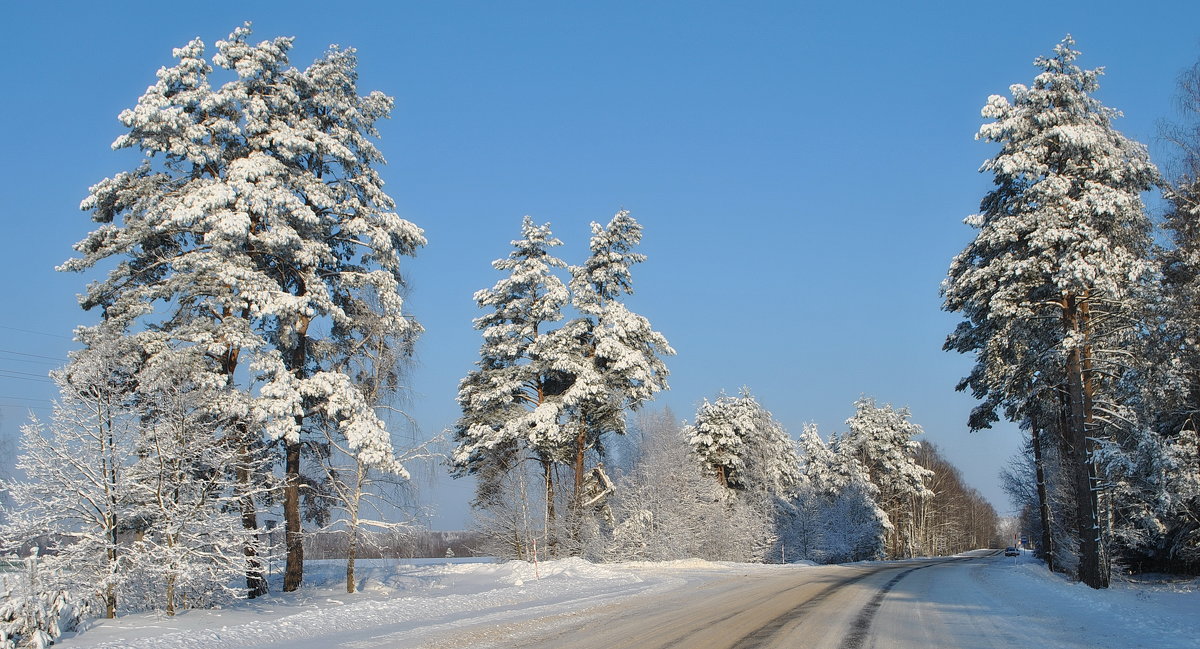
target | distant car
[{"x": 1010, "y": 551}]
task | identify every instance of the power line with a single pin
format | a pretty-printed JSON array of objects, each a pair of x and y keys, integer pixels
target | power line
[
  {"x": 37, "y": 333},
  {"x": 23, "y": 406},
  {"x": 24, "y": 376},
  {"x": 5, "y": 369},
  {"x": 28, "y": 361},
  {"x": 49, "y": 358}
]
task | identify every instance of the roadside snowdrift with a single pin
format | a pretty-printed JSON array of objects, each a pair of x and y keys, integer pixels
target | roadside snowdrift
[{"x": 464, "y": 603}]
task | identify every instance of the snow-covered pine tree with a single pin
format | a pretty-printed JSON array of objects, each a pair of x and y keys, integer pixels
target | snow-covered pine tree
[
  {"x": 716, "y": 441},
  {"x": 750, "y": 454},
  {"x": 882, "y": 440},
  {"x": 613, "y": 354},
  {"x": 832, "y": 516},
  {"x": 1163, "y": 463},
  {"x": 1063, "y": 240},
  {"x": 512, "y": 404},
  {"x": 256, "y": 220},
  {"x": 743, "y": 446}
]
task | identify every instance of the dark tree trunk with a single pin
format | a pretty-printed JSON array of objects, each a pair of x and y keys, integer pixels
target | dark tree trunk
[
  {"x": 576, "y": 506},
  {"x": 256, "y": 581},
  {"x": 293, "y": 531},
  {"x": 551, "y": 523},
  {"x": 293, "y": 534},
  {"x": 1079, "y": 393},
  {"x": 1047, "y": 540},
  {"x": 580, "y": 450}
]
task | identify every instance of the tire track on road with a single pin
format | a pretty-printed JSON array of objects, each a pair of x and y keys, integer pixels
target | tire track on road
[
  {"x": 764, "y": 634},
  {"x": 861, "y": 626}
]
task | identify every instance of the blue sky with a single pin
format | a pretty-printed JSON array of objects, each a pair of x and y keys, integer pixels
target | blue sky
[{"x": 801, "y": 171}]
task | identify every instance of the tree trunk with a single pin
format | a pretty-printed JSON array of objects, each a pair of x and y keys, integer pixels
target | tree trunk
[
  {"x": 256, "y": 581},
  {"x": 580, "y": 449},
  {"x": 351, "y": 551},
  {"x": 576, "y": 508},
  {"x": 551, "y": 523},
  {"x": 293, "y": 534},
  {"x": 110, "y": 591},
  {"x": 1047, "y": 541},
  {"x": 170, "y": 595},
  {"x": 1079, "y": 393},
  {"x": 292, "y": 529}
]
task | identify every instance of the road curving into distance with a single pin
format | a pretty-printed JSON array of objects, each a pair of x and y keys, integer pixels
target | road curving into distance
[{"x": 833, "y": 607}]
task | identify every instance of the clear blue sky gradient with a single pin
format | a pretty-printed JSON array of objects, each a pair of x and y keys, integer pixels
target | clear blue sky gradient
[{"x": 801, "y": 170}]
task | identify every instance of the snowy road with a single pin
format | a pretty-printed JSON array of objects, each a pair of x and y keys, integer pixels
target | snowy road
[
  {"x": 981, "y": 601},
  {"x": 834, "y": 607},
  {"x": 961, "y": 602}
]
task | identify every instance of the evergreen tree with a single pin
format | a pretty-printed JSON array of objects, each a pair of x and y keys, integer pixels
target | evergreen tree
[
  {"x": 882, "y": 441},
  {"x": 742, "y": 445},
  {"x": 553, "y": 393},
  {"x": 615, "y": 357},
  {"x": 512, "y": 404},
  {"x": 832, "y": 516},
  {"x": 257, "y": 219},
  {"x": 752, "y": 458},
  {"x": 1048, "y": 285}
]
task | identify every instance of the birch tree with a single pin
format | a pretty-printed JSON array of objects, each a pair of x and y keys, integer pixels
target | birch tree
[{"x": 77, "y": 487}]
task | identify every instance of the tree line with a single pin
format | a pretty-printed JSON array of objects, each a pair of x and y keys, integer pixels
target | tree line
[
  {"x": 1081, "y": 314},
  {"x": 545, "y": 433}
]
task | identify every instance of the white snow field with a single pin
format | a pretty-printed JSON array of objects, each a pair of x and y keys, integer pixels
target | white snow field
[{"x": 983, "y": 602}]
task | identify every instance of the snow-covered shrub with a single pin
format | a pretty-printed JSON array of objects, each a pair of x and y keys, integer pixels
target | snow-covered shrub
[
  {"x": 670, "y": 507},
  {"x": 34, "y": 609}
]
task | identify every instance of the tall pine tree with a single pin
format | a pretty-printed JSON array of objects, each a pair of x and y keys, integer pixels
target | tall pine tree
[
  {"x": 617, "y": 356},
  {"x": 512, "y": 404},
  {"x": 256, "y": 232},
  {"x": 1047, "y": 286}
]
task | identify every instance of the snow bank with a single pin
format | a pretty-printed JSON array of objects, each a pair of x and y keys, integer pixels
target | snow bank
[
  {"x": 397, "y": 600},
  {"x": 1129, "y": 613},
  {"x": 463, "y": 603}
]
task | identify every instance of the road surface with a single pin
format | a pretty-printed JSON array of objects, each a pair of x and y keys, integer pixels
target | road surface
[
  {"x": 983, "y": 601},
  {"x": 898, "y": 605}
]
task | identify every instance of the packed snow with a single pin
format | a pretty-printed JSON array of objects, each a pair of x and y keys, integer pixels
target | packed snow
[{"x": 473, "y": 602}]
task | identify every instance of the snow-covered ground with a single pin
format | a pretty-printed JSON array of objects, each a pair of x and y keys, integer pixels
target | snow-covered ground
[
  {"x": 463, "y": 603},
  {"x": 1145, "y": 612}
]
